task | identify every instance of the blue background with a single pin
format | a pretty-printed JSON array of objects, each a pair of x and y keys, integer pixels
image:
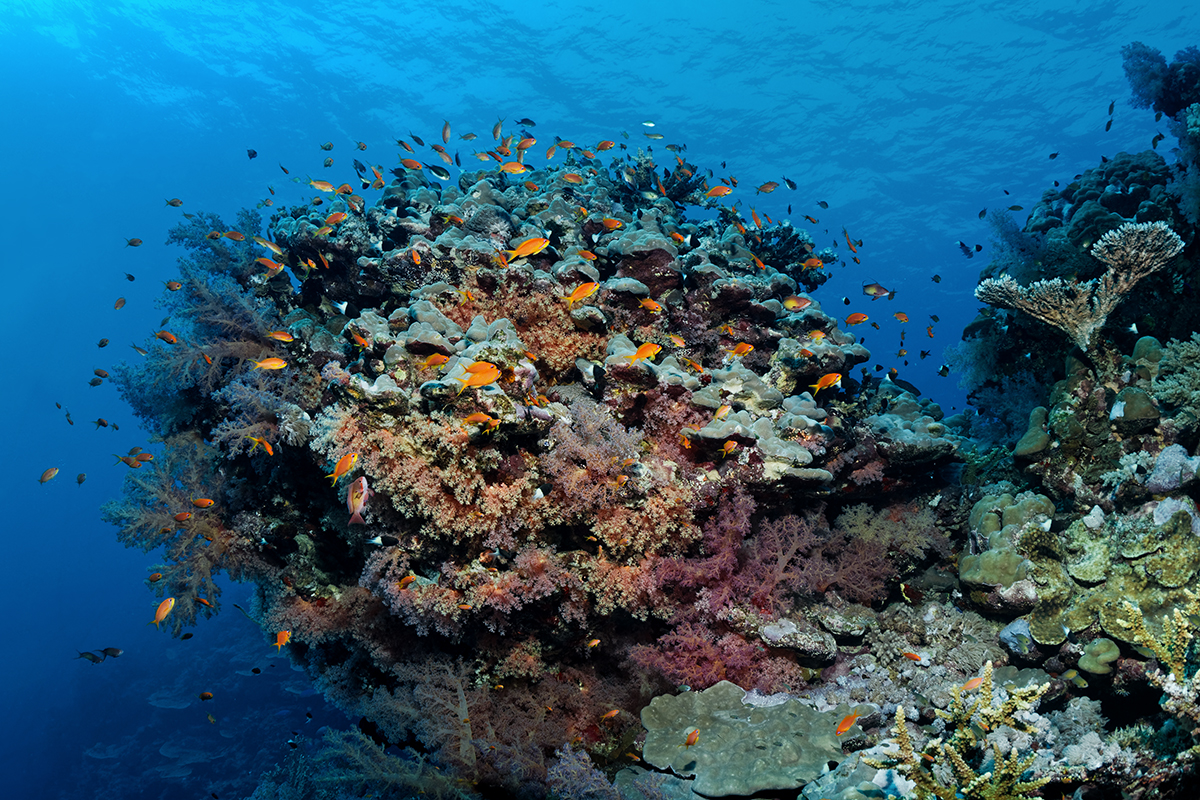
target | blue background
[{"x": 906, "y": 117}]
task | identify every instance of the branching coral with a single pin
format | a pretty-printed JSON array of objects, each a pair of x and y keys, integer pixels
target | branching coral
[
  {"x": 975, "y": 772},
  {"x": 1131, "y": 252}
]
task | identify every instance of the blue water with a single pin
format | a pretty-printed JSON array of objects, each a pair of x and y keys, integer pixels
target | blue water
[{"x": 907, "y": 118}]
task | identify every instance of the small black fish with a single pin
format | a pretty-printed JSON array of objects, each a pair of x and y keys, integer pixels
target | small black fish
[
  {"x": 822, "y": 204},
  {"x": 1016, "y": 208},
  {"x": 95, "y": 382},
  {"x": 439, "y": 172},
  {"x": 966, "y": 250},
  {"x": 187, "y": 636},
  {"x": 944, "y": 370},
  {"x": 789, "y": 183},
  {"x": 845, "y": 301},
  {"x": 252, "y": 153},
  {"x": 416, "y": 139},
  {"x": 457, "y": 160},
  {"x": 92, "y": 657},
  {"x": 128, "y": 277},
  {"x": 1053, "y": 156},
  {"x": 1006, "y": 191},
  {"x": 1103, "y": 159},
  {"x": 308, "y": 715},
  {"x": 934, "y": 317},
  {"x": 1108, "y": 125},
  {"x": 1111, "y": 106},
  {"x": 983, "y": 213},
  {"x": 1056, "y": 183},
  {"x": 789, "y": 209},
  {"x": 256, "y": 670},
  {"x": 527, "y": 121},
  {"x": 1157, "y": 116},
  {"x": 924, "y": 354},
  {"x": 879, "y": 367},
  {"x": 936, "y": 279},
  {"x": 1154, "y": 142},
  {"x": 722, "y": 167}
]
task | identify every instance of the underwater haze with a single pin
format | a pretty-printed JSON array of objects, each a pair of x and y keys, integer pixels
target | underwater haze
[{"x": 896, "y": 122}]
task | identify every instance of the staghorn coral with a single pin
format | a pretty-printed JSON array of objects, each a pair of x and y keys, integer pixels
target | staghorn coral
[{"x": 1131, "y": 252}]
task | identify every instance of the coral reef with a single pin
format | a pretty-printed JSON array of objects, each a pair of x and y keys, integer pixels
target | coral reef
[
  {"x": 584, "y": 436},
  {"x": 554, "y": 482}
]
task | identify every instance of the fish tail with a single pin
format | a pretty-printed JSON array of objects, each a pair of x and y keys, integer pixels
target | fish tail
[{"x": 356, "y": 517}]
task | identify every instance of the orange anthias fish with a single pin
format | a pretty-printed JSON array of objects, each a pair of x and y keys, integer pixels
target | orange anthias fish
[
  {"x": 796, "y": 303},
  {"x": 611, "y": 224},
  {"x": 607, "y": 144},
  {"x": 269, "y": 363},
  {"x": 647, "y": 351},
  {"x": 582, "y": 291},
  {"x": 767, "y": 187},
  {"x": 846, "y": 723},
  {"x": 265, "y": 445},
  {"x": 483, "y": 376},
  {"x": 853, "y": 249},
  {"x": 282, "y": 638},
  {"x": 321, "y": 186},
  {"x": 973, "y": 684},
  {"x": 481, "y": 418},
  {"x": 827, "y": 380},
  {"x": 344, "y": 465},
  {"x": 434, "y": 360},
  {"x": 529, "y": 247},
  {"x": 900, "y": 315},
  {"x": 650, "y": 305},
  {"x": 676, "y": 340},
  {"x": 166, "y": 336},
  {"x": 202, "y": 502},
  {"x": 356, "y": 500},
  {"x": 281, "y": 336},
  {"x": 335, "y": 218},
  {"x": 161, "y": 612},
  {"x": 572, "y": 177},
  {"x": 718, "y": 191},
  {"x": 856, "y": 319},
  {"x": 610, "y": 714},
  {"x": 513, "y": 167},
  {"x": 741, "y": 349},
  {"x": 273, "y": 267},
  {"x": 48, "y": 474},
  {"x": 813, "y": 263},
  {"x": 692, "y": 737}
]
